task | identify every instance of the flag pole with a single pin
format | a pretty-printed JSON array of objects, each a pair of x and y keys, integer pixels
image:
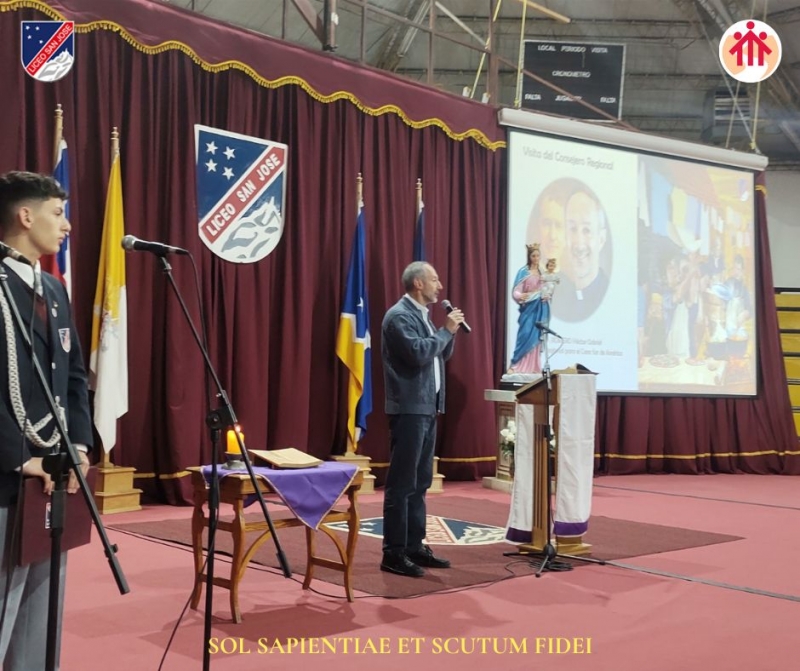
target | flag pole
[
  {"x": 350, "y": 456},
  {"x": 419, "y": 226},
  {"x": 51, "y": 262},
  {"x": 59, "y": 133},
  {"x": 105, "y": 456},
  {"x": 353, "y": 447},
  {"x": 114, "y": 143}
]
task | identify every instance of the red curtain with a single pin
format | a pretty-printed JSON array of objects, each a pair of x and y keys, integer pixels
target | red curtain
[{"x": 272, "y": 325}]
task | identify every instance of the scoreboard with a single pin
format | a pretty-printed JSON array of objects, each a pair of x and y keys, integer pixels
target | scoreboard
[{"x": 589, "y": 72}]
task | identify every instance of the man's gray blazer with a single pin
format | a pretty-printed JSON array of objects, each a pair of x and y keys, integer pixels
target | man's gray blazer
[{"x": 409, "y": 351}]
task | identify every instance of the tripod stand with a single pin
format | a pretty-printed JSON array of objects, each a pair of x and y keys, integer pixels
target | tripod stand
[
  {"x": 549, "y": 552},
  {"x": 217, "y": 420}
]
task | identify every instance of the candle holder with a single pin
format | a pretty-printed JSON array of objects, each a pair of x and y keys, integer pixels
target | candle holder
[{"x": 233, "y": 461}]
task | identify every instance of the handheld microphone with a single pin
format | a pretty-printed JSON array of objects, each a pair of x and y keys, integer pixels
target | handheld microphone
[
  {"x": 131, "y": 243},
  {"x": 448, "y": 306},
  {"x": 6, "y": 251},
  {"x": 544, "y": 327}
]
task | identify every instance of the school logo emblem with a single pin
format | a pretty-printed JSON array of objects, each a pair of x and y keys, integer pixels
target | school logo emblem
[
  {"x": 241, "y": 189},
  {"x": 48, "y": 49},
  {"x": 64, "y": 337},
  {"x": 750, "y": 51},
  {"x": 438, "y": 531}
]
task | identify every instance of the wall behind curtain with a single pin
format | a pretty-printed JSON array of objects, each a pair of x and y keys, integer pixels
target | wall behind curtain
[{"x": 272, "y": 325}]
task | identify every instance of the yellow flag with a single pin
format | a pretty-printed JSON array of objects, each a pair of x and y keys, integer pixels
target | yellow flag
[{"x": 108, "y": 363}]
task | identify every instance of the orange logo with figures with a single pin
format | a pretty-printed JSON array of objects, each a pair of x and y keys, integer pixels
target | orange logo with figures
[{"x": 750, "y": 51}]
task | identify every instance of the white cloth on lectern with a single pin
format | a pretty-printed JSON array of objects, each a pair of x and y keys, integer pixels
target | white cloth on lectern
[
  {"x": 573, "y": 504},
  {"x": 577, "y": 409},
  {"x": 521, "y": 514}
]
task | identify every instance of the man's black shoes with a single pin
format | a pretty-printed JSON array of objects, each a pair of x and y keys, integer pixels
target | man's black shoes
[
  {"x": 425, "y": 557},
  {"x": 398, "y": 563},
  {"x": 408, "y": 564}
]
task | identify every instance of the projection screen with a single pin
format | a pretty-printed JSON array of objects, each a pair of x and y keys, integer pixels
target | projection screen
[{"x": 654, "y": 282}]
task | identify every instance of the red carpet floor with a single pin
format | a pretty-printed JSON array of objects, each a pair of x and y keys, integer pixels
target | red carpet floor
[
  {"x": 732, "y": 606},
  {"x": 471, "y": 564}
]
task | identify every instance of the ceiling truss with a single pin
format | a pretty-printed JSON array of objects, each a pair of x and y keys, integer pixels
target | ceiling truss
[{"x": 455, "y": 45}]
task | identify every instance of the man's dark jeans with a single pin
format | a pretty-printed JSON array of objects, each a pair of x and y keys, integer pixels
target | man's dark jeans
[{"x": 413, "y": 439}]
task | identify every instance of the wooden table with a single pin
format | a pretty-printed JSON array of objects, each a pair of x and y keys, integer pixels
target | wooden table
[{"x": 234, "y": 489}]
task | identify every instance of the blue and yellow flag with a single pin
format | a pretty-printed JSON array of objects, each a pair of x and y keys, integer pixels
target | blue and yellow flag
[{"x": 353, "y": 344}]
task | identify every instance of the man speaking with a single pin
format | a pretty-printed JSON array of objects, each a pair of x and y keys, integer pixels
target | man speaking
[{"x": 413, "y": 353}]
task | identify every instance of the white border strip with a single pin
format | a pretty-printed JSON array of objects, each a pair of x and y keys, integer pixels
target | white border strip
[{"x": 624, "y": 139}]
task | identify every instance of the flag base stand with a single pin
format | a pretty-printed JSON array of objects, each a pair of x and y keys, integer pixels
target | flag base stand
[
  {"x": 362, "y": 461},
  {"x": 497, "y": 484},
  {"x": 114, "y": 490},
  {"x": 437, "y": 485}
]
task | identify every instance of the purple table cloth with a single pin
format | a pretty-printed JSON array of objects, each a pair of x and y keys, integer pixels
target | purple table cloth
[{"x": 310, "y": 493}]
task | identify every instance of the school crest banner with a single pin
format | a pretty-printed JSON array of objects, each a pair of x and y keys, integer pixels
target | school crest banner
[{"x": 241, "y": 190}]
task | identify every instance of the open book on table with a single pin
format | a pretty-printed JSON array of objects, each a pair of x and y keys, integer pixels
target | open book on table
[{"x": 288, "y": 457}]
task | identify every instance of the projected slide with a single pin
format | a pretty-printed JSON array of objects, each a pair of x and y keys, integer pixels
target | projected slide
[{"x": 644, "y": 265}]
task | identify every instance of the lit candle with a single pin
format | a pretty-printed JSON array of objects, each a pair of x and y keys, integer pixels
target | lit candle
[{"x": 233, "y": 444}]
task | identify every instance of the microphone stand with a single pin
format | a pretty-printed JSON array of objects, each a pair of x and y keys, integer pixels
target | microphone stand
[
  {"x": 549, "y": 552},
  {"x": 57, "y": 465},
  {"x": 216, "y": 420}
]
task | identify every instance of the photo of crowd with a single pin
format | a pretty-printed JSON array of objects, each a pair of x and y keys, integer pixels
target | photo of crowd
[{"x": 695, "y": 276}]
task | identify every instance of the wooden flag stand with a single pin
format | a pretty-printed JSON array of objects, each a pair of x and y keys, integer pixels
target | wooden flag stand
[
  {"x": 363, "y": 463},
  {"x": 114, "y": 491}
]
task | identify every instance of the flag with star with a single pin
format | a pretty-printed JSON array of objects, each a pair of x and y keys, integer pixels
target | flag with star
[
  {"x": 353, "y": 344},
  {"x": 241, "y": 190}
]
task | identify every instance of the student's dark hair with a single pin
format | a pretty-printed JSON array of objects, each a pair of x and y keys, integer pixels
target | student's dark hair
[{"x": 19, "y": 187}]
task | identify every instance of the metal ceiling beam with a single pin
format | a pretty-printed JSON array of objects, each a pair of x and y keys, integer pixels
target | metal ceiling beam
[
  {"x": 428, "y": 27},
  {"x": 597, "y": 28},
  {"x": 784, "y": 16},
  {"x": 460, "y": 23},
  {"x": 330, "y": 20},
  {"x": 650, "y": 80},
  {"x": 780, "y": 86},
  {"x": 310, "y": 16},
  {"x": 709, "y": 12},
  {"x": 546, "y": 10},
  {"x": 393, "y": 55},
  {"x": 790, "y": 132},
  {"x": 691, "y": 125},
  {"x": 387, "y": 58}
]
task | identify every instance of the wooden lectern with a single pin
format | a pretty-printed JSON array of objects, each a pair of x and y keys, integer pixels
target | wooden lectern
[{"x": 537, "y": 395}]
